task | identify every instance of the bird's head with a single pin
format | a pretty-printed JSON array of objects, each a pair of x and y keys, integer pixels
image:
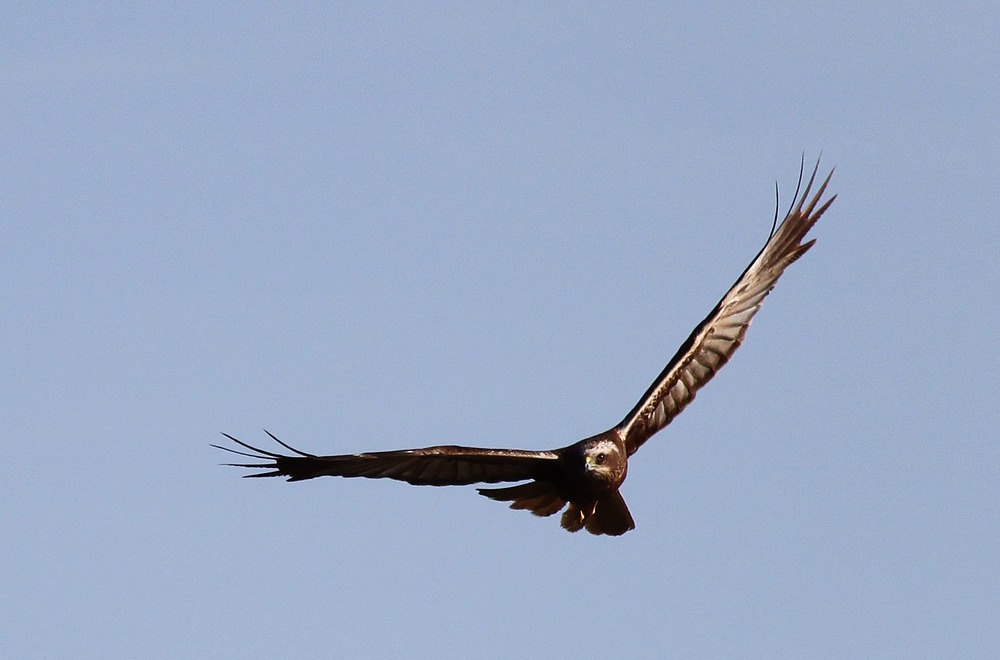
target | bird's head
[{"x": 604, "y": 459}]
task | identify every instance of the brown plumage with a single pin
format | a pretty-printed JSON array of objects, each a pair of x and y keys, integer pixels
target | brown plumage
[{"x": 585, "y": 475}]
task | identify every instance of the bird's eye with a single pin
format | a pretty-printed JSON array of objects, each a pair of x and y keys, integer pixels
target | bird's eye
[{"x": 600, "y": 458}]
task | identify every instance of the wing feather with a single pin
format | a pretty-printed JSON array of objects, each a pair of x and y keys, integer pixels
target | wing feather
[
  {"x": 717, "y": 337},
  {"x": 430, "y": 466}
]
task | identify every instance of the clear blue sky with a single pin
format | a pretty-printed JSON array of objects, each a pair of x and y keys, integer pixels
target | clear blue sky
[{"x": 382, "y": 228}]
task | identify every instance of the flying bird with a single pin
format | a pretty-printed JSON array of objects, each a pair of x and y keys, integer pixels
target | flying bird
[{"x": 586, "y": 475}]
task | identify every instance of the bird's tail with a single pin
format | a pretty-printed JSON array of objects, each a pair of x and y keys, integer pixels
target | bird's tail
[
  {"x": 607, "y": 515},
  {"x": 537, "y": 496}
]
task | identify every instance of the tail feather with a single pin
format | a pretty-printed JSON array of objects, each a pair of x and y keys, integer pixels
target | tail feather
[
  {"x": 611, "y": 516},
  {"x": 606, "y": 515},
  {"x": 537, "y": 496}
]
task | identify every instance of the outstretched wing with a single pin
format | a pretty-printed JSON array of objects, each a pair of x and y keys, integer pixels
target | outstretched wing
[
  {"x": 430, "y": 466},
  {"x": 715, "y": 340}
]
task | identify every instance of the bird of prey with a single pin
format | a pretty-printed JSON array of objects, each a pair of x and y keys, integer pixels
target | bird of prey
[{"x": 585, "y": 475}]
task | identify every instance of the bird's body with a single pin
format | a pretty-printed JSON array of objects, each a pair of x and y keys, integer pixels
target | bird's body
[{"x": 585, "y": 475}]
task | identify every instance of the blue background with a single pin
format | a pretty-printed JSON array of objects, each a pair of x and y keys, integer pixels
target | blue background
[{"x": 384, "y": 226}]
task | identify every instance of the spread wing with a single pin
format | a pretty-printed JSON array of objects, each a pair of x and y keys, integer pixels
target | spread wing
[
  {"x": 715, "y": 340},
  {"x": 430, "y": 466}
]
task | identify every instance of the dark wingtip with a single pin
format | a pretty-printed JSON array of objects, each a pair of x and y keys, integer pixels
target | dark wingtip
[
  {"x": 261, "y": 453},
  {"x": 288, "y": 447},
  {"x": 274, "y": 462}
]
